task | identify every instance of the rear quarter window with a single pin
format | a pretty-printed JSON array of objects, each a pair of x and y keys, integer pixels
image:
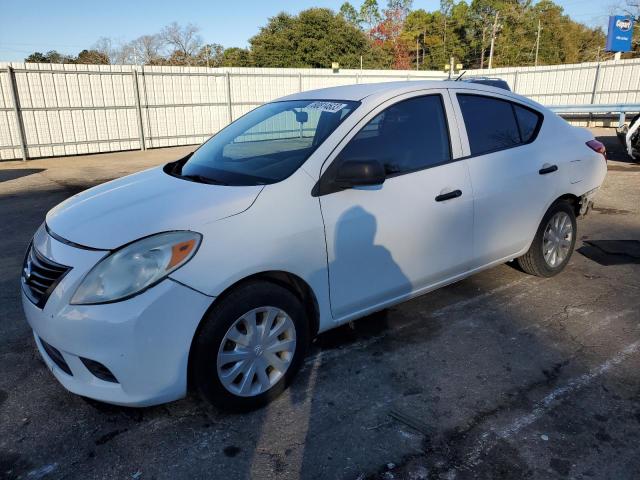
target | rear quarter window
[{"x": 528, "y": 122}]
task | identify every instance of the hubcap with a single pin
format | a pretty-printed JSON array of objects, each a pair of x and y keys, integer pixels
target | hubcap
[
  {"x": 256, "y": 351},
  {"x": 557, "y": 239}
]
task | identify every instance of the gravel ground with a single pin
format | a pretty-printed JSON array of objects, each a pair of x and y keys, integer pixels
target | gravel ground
[{"x": 502, "y": 375}]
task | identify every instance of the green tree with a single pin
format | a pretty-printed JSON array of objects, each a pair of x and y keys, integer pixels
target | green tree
[
  {"x": 236, "y": 57},
  {"x": 370, "y": 14},
  {"x": 37, "y": 57},
  {"x": 52, "y": 56},
  {"x": 209, "y": 55},
  {"x": 350, "y": 14},
  {"x": 314, "y": 38}
]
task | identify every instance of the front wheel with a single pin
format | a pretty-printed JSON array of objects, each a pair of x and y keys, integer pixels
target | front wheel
[
  {"x": 554, "y": 242},
  {"x": 250, "y": 346}
]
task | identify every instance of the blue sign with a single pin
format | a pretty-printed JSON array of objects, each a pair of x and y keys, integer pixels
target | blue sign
[{"x": 620, "y": 33}]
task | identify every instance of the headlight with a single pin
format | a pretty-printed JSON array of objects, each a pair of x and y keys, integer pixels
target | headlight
[{"x": 136, "y": 267}]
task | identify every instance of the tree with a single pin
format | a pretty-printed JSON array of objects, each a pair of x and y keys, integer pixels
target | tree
[
  {"x": 236, "y": 57},
  {"x": 388, "y": 33},
  {"x": 37, "y": 57},
  {"x": 210, "y": 55},
  {"x": 92, "y": 57},
  {"x": 147, "y": 49},
  {"x": 314, "y": 38},
  {"x": 350, "y": 14},
  {"x": 52, "y": 56},
  {"x": 184, "y": 40},
  {"x": 370, "y": 14},
  {"x": 105, "y": 46},
  {"x": 397, "y": 37}
]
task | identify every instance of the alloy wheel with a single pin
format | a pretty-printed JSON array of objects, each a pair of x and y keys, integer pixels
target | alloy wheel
[{"x": 557, "y": 239}]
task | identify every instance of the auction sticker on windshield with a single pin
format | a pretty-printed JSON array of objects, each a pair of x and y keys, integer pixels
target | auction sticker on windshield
[{"x": 332, "y": 107}]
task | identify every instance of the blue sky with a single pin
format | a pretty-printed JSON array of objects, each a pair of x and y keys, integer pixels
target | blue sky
[{"x": 71, "y": 25}]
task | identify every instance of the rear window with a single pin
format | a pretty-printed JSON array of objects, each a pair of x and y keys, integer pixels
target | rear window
[{"x": 493, "y": 124}]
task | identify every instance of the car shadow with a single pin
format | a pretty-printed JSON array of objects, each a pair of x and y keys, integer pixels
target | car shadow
[
  {"x": 611, "y": 252},
  {"x": 14, "y": 173}
]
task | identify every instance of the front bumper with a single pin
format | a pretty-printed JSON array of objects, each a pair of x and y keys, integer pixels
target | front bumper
[{"x": 143, "y": 341}]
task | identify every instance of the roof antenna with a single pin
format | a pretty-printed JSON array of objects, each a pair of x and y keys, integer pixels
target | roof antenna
[{"x": 460, "y": 76}]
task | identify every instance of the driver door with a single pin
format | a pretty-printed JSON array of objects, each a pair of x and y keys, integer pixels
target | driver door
[{"x": 389, "y": 242}]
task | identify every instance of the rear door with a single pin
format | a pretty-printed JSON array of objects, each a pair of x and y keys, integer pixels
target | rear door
[
  {"x": 514, "y": 177},
  {"x": 388, "y": 242}
]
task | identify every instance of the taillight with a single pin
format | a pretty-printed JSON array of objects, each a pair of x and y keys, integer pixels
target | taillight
[{"x": 597, "y": 146}]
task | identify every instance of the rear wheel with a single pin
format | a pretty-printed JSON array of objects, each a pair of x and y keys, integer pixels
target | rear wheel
[
  {"x": 250, "y": 347},
  {"x": 554, "y": 242}
]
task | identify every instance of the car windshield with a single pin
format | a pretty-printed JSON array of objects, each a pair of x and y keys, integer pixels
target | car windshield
[{"x": 267, "y": 144}]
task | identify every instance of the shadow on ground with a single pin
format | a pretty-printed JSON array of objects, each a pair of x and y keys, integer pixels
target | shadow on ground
[{"x": 12, "y": 174}]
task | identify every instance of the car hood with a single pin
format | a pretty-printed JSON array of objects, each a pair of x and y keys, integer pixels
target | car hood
[{"x": 148, "y": 202}]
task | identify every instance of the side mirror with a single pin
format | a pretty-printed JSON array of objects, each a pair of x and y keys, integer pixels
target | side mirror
[{"x": 360, "y": 173}]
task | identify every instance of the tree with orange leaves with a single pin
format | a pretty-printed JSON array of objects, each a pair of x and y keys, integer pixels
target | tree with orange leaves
[{"x": 387, "y": 33}]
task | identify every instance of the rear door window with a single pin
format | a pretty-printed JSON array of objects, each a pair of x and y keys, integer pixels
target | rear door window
[{"x": 493, "y": 124}]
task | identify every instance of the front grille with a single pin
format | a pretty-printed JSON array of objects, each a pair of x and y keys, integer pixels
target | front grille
[
  {"x": 40, "y": 276},
  {"x": 56, "y": 357}
]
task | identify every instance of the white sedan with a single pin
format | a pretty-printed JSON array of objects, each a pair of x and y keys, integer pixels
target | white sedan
[{"x": 216, "y": 271}]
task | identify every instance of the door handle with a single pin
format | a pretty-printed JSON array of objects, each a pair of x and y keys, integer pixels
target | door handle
[
  {"x": 546, "y": 168},
  {"x": 449, "y": 195}
]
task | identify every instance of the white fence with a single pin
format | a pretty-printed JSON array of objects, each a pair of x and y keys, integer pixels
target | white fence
[{"x": 52, "y": 110}]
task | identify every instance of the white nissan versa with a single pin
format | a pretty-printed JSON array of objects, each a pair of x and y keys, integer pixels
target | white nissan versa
[{"x": 310, "y": 211}]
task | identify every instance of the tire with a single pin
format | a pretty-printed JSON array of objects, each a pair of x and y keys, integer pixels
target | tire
[
  {"x": 240, "y": 315},
  {"x": 534, "y": 261}
]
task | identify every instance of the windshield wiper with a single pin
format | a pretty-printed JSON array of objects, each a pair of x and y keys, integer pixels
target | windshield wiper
[{"x": 203, "y": 179}]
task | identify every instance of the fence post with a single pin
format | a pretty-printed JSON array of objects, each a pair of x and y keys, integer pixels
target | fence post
[
  {"x": 515, "y": 81},
  {"x": 299, "y": 81},
  {"x": 228, "y": 77},
  {"x": 136, "y": 92},
  {"x": 13, "y": 90},
  {"x": 594, "y": 91}
]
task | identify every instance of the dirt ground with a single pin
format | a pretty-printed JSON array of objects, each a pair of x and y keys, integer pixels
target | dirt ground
[{"x": 502, "y": 375}]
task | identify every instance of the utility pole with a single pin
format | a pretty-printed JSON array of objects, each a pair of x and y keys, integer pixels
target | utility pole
[
  {"x": 417, "y": 56},
  {"x": 444, "y": 36},
  {"x": 493, "y": 39},
  {"x": 538, "y": 42},
  {"x": 482, "y": 49},
  {"x": 451, "y": 65}
]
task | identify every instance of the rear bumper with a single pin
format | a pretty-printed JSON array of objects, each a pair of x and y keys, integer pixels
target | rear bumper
[{"x": 586, "y": 202}]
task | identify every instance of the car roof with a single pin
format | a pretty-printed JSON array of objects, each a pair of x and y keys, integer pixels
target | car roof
[{"x": 358, "y": 92}]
